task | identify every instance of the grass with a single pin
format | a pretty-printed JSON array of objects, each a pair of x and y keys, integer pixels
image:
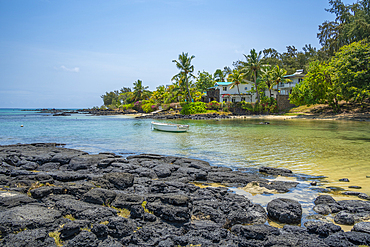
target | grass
[
  {"x": 69, "y": 216},
  {"x": 56, "y": 236},
  {"x": 144, "y": 207},
  {"x": 37, "y": 185},
  {"x": 125, "y": 213}
]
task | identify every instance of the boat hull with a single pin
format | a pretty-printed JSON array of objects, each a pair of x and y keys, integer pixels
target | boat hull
[{"x": 170, "y": 127}]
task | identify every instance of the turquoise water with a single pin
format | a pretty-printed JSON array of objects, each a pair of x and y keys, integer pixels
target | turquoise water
[{"x": 335, "y": 149}]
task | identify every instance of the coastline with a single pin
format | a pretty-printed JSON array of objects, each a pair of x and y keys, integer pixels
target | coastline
[{"x": 48, "y": 191}]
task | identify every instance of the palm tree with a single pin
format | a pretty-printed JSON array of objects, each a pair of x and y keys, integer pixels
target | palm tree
[
  {"x": 236, "y": 77},
  {"x": 266, "y": 77},
  {"x": 140, "y": 92},
  {"x": 186, "y": 70},
  {"x": 252, "y": 67},
  {"x": 277, "y": 75},
  {"x": 219, "y": 75}
]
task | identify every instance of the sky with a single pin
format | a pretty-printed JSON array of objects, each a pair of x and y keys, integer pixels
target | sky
[{"x": 67, "y": 53}]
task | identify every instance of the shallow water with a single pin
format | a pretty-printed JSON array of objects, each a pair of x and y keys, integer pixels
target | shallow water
[{"x": 335, "y": 149}]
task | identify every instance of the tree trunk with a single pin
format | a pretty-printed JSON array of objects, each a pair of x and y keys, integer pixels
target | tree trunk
[{"x": 255, "y": 83}]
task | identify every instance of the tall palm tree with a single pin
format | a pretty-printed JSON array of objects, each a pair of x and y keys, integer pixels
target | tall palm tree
[
  {"x": 277, "y": 75},
  {"x": 236, "y": 77},
  {"x": 140, "y": 92},
  {"x": 266, "y": 77},
  {"x": 186, "y": 70},
  {"x": 252, "y": 67}
]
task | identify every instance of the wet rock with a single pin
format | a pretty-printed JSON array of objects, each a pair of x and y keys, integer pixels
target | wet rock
[
  {"x": 257, "y": 232},
  {"x": 105, "y": 162},
  {"x": 358, "y": 238},
  {"x": 354, "y": 187},
  {"x": 344, "y": 218},
  {"x": 324, "y": 199},
  {"x": 364, "y": 196},
  {"x": 322, "y": 229},
  {"x": 285, "y": 210},
  {"x": 344, "y": 180},
  {"x": 322, "y": 209},
  {"x": 275, "y": 171},
  {"x": 362, "y": 227},
  {"x": 338, "y": 239}
]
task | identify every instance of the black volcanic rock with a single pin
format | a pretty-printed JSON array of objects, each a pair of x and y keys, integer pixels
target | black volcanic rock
[{"x": 151, "y": 200}]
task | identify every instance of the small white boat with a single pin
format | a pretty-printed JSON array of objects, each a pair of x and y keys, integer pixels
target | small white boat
[{"x": 170, "y": 127}]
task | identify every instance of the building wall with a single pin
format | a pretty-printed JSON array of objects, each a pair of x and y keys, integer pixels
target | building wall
[{"x": 283, "y": 102}]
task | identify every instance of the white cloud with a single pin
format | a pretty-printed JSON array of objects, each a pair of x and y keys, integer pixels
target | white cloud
[{"x": 75, "y": 69}]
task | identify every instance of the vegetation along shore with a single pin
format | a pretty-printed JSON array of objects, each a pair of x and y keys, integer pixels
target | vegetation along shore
[{"x": 269, "y": 82}]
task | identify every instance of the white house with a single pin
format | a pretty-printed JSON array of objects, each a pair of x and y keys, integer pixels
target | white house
[
  {"x": 286, "y": 88},
  {"x": 232, "y": 95},
  {"x": 221, "y": 92}
]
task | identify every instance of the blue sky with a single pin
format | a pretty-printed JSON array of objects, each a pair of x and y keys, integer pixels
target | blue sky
[{"x": 66, "y": 53}]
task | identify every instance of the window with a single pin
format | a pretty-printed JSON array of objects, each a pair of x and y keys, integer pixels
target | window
[
  {"x": 299, "y": 80},
  {"x": 243, "y": 98},
  {"x": 224, "y": 88},
  {"x": 233, "y": 99},
  {"x": 246, "y": 88},
  {"x": 225, "y": 100}
]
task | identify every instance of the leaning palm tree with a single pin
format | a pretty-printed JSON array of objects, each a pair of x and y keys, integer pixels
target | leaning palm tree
[
  {"x": 236, "y": 77},
  {"x": 252, "y": 67},
  {"x": 140, "y": 92},
  {"x": 186, "y": 70}
]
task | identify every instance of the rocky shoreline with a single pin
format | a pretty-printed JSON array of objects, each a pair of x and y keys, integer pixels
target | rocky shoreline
[{"x": 54, "y": 196}]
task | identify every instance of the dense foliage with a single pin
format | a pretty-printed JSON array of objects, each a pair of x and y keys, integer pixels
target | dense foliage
[{"x": 345, "y": 77}]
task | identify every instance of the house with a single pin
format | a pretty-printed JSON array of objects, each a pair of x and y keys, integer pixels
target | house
[
  {"x": 286, "y": 88},
  {"x": 221, "y": 92}
]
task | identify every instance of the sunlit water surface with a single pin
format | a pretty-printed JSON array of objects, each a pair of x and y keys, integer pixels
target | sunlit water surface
[{"x": 335, "y": 149}]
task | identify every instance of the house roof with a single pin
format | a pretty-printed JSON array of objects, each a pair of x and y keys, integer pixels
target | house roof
[
  {"x": 298, "y": 73},
  {"x": 223, "y": 83}
]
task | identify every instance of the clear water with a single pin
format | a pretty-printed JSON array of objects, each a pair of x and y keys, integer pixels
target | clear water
[{"x": 335, "y": 149}]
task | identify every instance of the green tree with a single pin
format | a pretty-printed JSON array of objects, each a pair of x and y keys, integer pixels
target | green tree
[
  {"x": 351, "y": 71},
  {"x": 317, "y": 87},
  {"x": 140, "y": 92},
  {"x": 111, "y": 98},
  {"x": 252, "y": 68},
  {"x": 352, "y": 23},
  {"x": 266, "y": 77},
  {"x": 237, "y": 78},
  {"x": 277, "y": 77},
  {"x": 186, "y": 69},
  {"x": 204, "y": 81}
]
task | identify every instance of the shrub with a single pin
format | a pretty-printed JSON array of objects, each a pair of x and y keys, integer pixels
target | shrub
[
  {"x": 147, "y": 107},
  {"x": 193, "y": 108},
  {"x": 213, "y": 105},
  {"x": 137, "y": 106}
]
